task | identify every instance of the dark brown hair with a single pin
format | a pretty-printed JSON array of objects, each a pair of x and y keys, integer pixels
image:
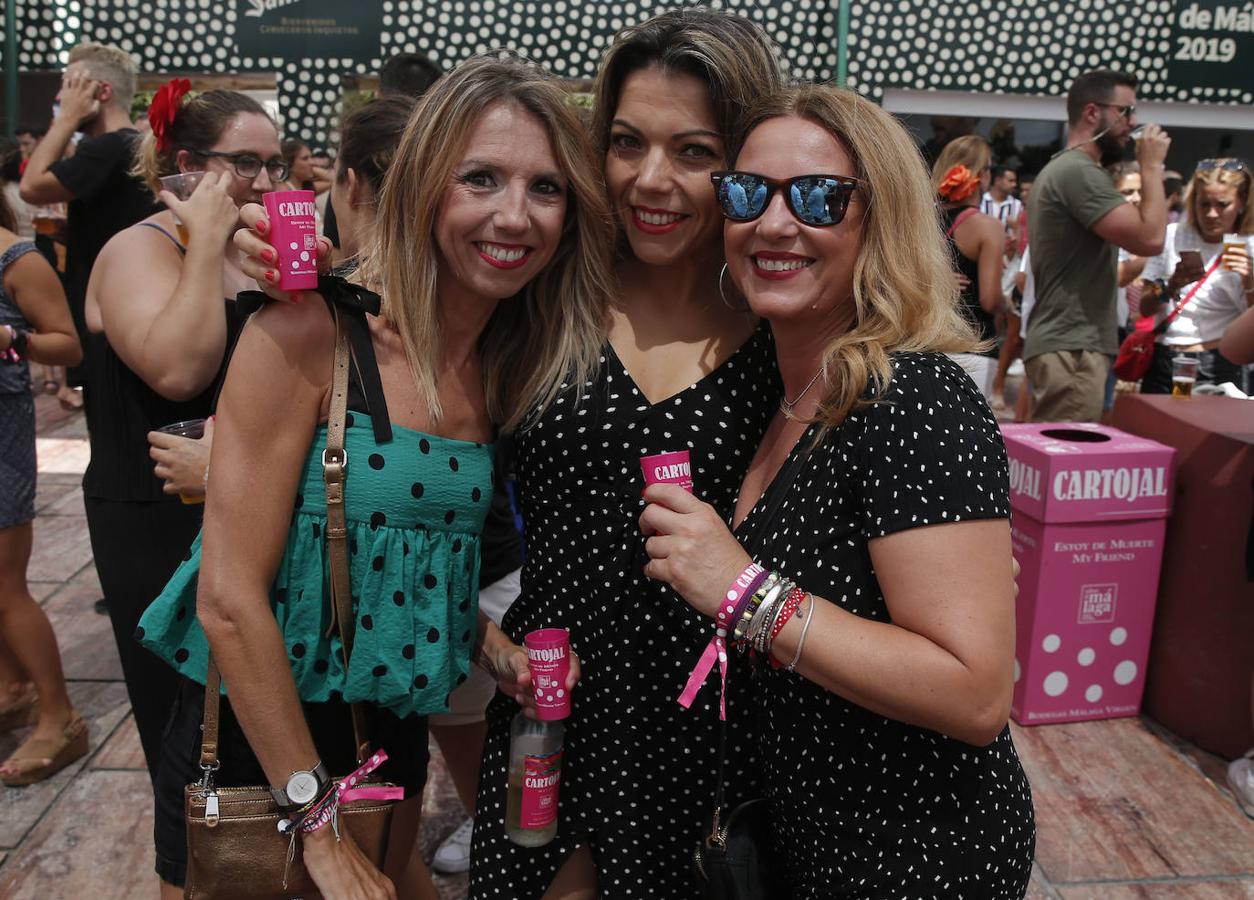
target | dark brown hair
[
  {"x": 369, "y": 138},
  {"x": 198, "y": 126},
  {"x": 1097, "y": 86},
  {"x": 729, "y": 54}
]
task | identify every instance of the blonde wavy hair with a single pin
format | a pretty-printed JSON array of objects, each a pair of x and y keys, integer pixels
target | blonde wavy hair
[
  {"x": 1240, "y": 179},
  {"x": 904, "y": 294},
  {"x": 552, "y": 331}
]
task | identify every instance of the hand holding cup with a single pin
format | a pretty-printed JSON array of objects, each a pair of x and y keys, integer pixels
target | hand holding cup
[
  {"x": 1152, "y": 146},
  {"x": 209, "y": 213},
  {"x": 259, "y": 261}
]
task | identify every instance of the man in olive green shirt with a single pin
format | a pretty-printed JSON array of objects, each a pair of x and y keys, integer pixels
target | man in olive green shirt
[{"x": 1076, "y": 220}]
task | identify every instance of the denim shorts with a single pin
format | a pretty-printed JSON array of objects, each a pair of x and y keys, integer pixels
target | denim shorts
[{"x": 331, "y": 726}]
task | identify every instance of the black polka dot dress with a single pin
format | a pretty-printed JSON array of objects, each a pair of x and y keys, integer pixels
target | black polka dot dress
[
  {"x": 863, "y": 806},
  {"x": 639, "y": 772}
]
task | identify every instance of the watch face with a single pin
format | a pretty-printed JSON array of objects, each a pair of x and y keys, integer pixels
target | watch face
[{"x": 302, "y": 787}]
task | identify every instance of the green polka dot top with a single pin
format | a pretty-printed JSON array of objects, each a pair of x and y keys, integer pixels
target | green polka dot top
[{"x": 415, "y": 508}]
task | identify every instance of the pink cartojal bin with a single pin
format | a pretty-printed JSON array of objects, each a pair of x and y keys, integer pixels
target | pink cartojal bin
[
  {"x": 294, "y": 236},
  {"x": 668, "y": 468},
  {"x": 548, "y": 658}
]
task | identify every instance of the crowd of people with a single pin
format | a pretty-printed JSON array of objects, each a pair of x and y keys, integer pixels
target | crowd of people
[
  {"x": 534, "y": 299},
  {"x": 1095, "y": 247}
]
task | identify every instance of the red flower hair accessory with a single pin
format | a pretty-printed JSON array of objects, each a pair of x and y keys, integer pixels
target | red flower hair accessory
[
  {"x": 165, "y": 108},
  {"x": 958, "y": 184}
]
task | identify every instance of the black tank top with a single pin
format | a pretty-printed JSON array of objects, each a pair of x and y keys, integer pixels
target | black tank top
[
  {"x": 978, "y": 316},
  {"x": 121, "y": 409}
]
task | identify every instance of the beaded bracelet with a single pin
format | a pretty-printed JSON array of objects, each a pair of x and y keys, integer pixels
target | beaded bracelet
[{"x": 755, "y": 601}]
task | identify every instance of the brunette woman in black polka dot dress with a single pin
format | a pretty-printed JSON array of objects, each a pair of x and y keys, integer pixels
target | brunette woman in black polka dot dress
[
  {"x": 880, "y": 491},
  {"x": 680, "y": 371}
]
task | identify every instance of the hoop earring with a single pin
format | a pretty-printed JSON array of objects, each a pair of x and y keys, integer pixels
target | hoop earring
[{"x": 723, "y": 296}]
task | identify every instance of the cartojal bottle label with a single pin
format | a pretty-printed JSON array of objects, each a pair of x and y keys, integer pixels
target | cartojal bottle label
[{"x": 542, "y": 778}]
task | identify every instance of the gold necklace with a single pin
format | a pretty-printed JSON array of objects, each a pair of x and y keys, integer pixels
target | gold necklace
[{"x": 786, "y": 405}]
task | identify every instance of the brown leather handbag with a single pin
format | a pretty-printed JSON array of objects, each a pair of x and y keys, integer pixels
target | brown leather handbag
[{"x": 234, "y": 848}]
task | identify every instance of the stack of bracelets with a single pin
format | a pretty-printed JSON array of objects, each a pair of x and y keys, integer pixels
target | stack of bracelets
[
  {"x": 314, "y": 814},
  {"x": 764, "y": 610}
]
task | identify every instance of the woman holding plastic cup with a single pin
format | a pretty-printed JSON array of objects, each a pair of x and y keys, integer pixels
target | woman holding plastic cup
[
  {"x": 877, "y": 504},
  {"x": 1207, "y": 255},
  {"x": 166, "y": 308},
  {"x": 489, "y": 298}
]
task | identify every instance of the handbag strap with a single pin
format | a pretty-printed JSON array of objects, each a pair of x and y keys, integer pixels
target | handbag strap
[
  {"x": 795, "y": 461},
  {"x": 334, "y": 467},
  {"x": 1161, "y": 327}
]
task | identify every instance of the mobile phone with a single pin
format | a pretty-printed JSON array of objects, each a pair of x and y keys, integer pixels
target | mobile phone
[{"x": 1192, "y": 258}]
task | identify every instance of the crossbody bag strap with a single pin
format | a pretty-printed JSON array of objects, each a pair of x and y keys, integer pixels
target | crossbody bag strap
[
  {"x": 1161, "y": 327},
  {"x": 334, "y": 467}
]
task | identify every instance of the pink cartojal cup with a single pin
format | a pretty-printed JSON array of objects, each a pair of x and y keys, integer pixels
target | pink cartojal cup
[
  {"x": 294, "y": 236},
  {"x": 668, "y": 468},
  {"x": 548, "y": 658}
]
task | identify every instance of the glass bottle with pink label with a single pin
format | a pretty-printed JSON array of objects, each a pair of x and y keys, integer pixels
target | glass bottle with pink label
[{"x": 535, "y": 750}]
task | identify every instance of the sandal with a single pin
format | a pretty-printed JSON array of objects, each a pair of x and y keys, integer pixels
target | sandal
[
  {"x": 37, "y": 760},
  {"x": 22, "y": 710}
]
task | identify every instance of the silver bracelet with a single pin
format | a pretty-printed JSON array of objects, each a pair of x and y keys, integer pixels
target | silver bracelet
[
  {"x": 805, "y": 629},
  {"x": 757, "y": 626},
  {"x": 762, "y": 640}
]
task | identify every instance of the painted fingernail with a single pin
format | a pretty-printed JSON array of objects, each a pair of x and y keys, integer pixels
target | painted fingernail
[
  {"x": 262, "y": 225},
  {"x": 267, "y": 255},
  {"x": 272, "y": 276}
]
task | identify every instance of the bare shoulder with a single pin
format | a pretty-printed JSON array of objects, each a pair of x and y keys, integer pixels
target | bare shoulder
[
  {"x": 140, "y": 241},
  {"x": 300, "y": 336}
]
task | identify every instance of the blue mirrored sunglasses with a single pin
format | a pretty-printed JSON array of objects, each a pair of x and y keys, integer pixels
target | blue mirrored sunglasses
[{"x": 815, "y": 200}]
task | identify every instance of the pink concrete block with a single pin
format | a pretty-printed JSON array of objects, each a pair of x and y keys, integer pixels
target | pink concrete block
[{"x": 1090, "y": 506}]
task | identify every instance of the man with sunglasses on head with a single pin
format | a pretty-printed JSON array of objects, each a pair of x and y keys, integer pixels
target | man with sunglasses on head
[
  {"x": 103, "y": 197},
  {"x": 1077, "y": 220}
]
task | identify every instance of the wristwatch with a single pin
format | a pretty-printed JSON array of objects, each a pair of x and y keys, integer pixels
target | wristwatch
[
  {"x": 302, "y": 787},
  {"x": 20, "y": 339}
]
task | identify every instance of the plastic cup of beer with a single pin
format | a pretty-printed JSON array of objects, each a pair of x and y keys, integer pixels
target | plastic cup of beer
[
  {"x": 181, "y": 186},
  {"x": 1233, "y": 243},
  {"x": 1183, "y": 375},
  {"x": 48, "y": 220},
  {"x": 192, "y": 429},
  {"x": 548, "y": 658}
]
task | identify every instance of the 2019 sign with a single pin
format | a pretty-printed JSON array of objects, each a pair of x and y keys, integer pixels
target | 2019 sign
[{"x": 1212, "y": 43}]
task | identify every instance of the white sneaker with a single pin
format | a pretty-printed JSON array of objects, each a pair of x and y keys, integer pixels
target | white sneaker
[
  {"x": 1241, "y": 780},
  {"x": 452, "y": 857}
]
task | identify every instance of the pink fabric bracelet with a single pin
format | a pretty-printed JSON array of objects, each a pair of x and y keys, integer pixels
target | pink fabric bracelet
[
  {"x": 716, "y": 649},
  {"x": 346, "y": 791}
]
